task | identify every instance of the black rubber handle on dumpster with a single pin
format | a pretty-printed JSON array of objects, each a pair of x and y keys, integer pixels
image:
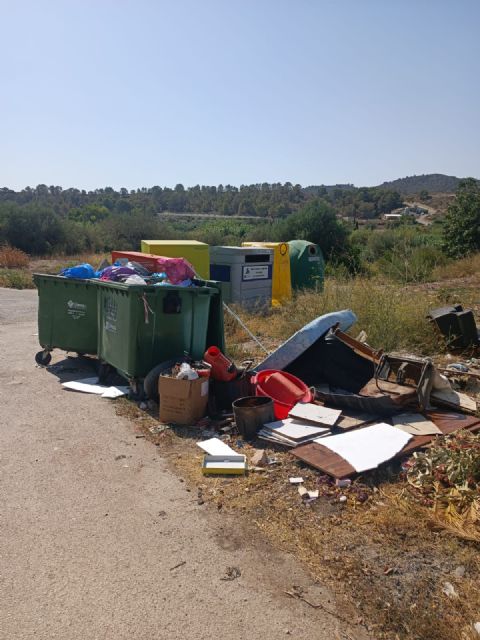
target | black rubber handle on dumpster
[{"x": 172, "y": 303}]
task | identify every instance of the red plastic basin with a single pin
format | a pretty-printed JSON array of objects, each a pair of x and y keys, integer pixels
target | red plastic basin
[{"x": 283, "y": 388}]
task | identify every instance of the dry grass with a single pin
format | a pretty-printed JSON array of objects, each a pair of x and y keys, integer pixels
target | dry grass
[
  {"x": 466, "y": 267},
  {"x": 16, "y": 279},
  {"x": 54, "y": 264},
  {"x": 14, "y": 272},
  {"x": 12, "y": 258},
  {"x": 393, "y": 316}
]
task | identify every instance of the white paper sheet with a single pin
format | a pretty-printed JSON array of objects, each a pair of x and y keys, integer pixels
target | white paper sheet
[
  {"x": 295, "y": 430},
  {"x": 315, "y": 413},
  {"x": 416, "y": 424},
  {"x": 368, "y": 447},
  {"x": 89, "y": 385},
  {"x": 216, "y": 447}
]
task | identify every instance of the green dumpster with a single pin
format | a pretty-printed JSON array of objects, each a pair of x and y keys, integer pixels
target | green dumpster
[
  {"x": 140, "y": 326},
  {"x": 307, "y": 267},
  {"x": 67, "y": 315}
]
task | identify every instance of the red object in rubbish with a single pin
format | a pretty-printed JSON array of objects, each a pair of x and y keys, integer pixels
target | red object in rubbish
[
  {"x": 223, "y": 369},
  {"x": 147, "y": 260},
  {"x": 283, "y": 388},
  {"x": 176, "y": 269}
]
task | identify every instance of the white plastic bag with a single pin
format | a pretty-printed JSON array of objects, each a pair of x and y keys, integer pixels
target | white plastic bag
[{"x": 186, "y": 372}]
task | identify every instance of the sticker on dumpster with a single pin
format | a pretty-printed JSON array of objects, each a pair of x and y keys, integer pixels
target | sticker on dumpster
[
  {"x": 76, "y": 310},
  {"x": 110, "y": 309},
  {"x": 314, "y": 259},
  {"x": 256, "y": 272}
]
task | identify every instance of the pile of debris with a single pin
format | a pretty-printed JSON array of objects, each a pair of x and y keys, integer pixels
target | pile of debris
[{"x": 339, "y": 406}]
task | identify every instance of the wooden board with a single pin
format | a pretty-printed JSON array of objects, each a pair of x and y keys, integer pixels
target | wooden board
[{"x": 325, "y": 460}]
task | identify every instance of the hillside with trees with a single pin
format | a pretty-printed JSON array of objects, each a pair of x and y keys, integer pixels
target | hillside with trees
[
  {"x": 48, "y": 219},
  {"x": 431, "y": 182}
]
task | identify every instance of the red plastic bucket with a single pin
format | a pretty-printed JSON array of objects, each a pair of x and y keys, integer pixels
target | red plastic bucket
[{"x": 284, "y": 389}]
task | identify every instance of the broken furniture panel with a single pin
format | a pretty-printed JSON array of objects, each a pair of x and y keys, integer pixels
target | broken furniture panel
[{"x": 325, "y": 460}]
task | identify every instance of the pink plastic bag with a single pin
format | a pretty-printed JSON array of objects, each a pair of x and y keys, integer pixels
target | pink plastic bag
[{"x": 176, "y": 269}]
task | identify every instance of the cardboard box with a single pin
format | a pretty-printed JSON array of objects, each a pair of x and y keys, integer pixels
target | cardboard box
[{"x": 182, "y": 401}]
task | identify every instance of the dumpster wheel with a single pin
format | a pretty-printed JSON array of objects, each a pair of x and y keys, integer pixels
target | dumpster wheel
[{"x": 43, "y": 358}]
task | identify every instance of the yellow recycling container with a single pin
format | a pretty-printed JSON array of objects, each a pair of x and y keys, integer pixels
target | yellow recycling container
[
  {"x": 281, "y": 278},
  {"x": 197, "y": 253}
]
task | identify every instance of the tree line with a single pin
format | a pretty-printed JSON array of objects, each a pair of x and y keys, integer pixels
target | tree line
[
  {"x": 263, "y": 200},
  {"x": 48, "y": 219}
]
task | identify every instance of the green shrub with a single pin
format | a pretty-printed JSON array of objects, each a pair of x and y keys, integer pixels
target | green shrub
[{"x": 16, "y": 279}]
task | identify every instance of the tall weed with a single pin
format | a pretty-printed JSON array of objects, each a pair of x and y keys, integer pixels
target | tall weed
[
  {"x": 13, "y": 258},
  {"x": 393, "y": 316}
]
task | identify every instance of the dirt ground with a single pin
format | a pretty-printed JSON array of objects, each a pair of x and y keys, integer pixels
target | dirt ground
[{"x": 100, "y": 539}]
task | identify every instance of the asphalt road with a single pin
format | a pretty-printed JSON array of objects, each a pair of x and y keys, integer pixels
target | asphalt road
[{"x": 92, "y": 523}]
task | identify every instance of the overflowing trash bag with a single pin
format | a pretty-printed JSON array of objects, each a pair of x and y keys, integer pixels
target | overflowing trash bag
[
  {"x": 117, "y": 273},
  {"x": 177, "y": 270},
  {"x": 79, "y": 272}
]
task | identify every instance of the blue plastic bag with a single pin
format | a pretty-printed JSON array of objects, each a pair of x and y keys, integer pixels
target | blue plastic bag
[{"x": 79, "y": 272}]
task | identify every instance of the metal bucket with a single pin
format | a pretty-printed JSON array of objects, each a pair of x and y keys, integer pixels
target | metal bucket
[{"x": 251, "y": 413}]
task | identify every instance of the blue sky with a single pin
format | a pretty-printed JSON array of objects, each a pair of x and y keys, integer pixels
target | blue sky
[{"x": 136, "y": 93}]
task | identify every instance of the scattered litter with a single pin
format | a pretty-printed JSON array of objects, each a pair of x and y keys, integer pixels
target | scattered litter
[
  {"x": 458, "y": 366},
  {"x": 235, "y": 464},
  {"x": 221, "y": 459},
  {"x": 459, "y": 571},
  {"x": 159, "y": 428},
  {"x": 453, "y": 399},
  {"x": 416, "y": 424},
  {"x": 295, "y": 480},
  {"x": 342, "y": 499},
  {"x": 180, "y": 564},
  {"x": 350, "y": 419},
  {"x": 476, "y": 627},
  {"x": 346, "y": 482},
  {"x": 366, "y": 448},
  {"x": 298, "y": 592},
  {"x": 259, "y": 458},
  {"x": 215, "y": 447},
  {"x": 449, "y": 590},
  {"x": 231, "y": 573},
  {"x": 315, "y": 413},
  {"x": 182, "y": 402},
  {"x": 90, "y": 385},
  {"x": 292, "y": 432},
  {"x": 302, "y": 491},
  {"x": 186, "y": 372}
]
